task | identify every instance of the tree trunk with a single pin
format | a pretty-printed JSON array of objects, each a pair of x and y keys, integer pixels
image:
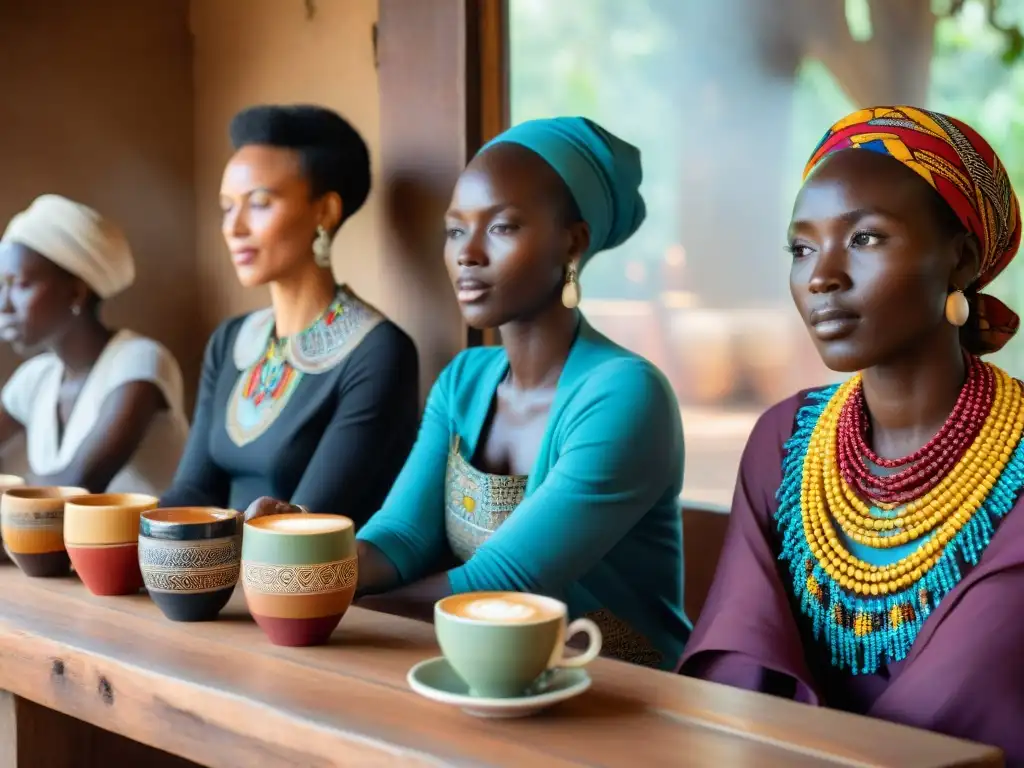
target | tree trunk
[
  {"x": 737, "y": 64},
  {"x": 892, "y": 67}
]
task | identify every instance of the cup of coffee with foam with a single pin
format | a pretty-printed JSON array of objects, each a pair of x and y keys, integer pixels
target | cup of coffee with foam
[
  {"x": 299, "y": 573},
  {"x": 500, "y": 643}
]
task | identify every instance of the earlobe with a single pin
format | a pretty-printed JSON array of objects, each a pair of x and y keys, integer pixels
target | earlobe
[
  {"x": 968, "y": 263},
  {"x": 81, "y": 298},
  {"x": 334, "y": 209},
  {"x": 580, "y": 240}
]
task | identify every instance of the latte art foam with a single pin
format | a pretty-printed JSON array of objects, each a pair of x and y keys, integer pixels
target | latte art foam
[
  {"x": 502, "y": 607},
  {"x": 497, "y": 609},
  {"x": 301, "y": 523}
]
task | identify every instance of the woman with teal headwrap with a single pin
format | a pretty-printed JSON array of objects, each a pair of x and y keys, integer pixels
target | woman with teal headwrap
[{"x": 553, "y": 463}]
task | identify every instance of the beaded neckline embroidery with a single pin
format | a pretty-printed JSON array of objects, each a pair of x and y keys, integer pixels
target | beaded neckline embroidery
[
  {"x": 867, "y": 631},
  {"x": 272, "y": 368}
]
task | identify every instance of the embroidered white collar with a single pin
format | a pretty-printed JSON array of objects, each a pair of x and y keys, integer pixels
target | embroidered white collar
[{"x": 319, "y": 348}]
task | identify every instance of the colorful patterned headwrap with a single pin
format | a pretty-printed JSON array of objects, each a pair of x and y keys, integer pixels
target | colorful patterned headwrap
[{"x": 964, "y": 170}]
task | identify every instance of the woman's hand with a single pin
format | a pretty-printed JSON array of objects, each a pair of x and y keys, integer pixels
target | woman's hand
[{"x": 265, "y": 505}]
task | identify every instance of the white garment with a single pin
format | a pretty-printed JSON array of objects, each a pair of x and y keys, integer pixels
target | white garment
[{"x": 31, "y": 397}]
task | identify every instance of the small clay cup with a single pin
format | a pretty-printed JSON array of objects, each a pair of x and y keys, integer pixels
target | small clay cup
[
  {"x": 299, "y": 575},
  {"x": 101, "y": 533},
  {"x": 32, "y": 524},
  {"x": 190, "y": 559},
  {"x": 6, "y": 483}
]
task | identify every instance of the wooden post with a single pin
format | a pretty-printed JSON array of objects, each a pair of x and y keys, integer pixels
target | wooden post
[{"x": 442, "y": 94}]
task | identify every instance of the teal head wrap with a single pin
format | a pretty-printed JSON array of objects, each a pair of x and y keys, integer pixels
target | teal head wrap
[{"x": 602, "y": 171}]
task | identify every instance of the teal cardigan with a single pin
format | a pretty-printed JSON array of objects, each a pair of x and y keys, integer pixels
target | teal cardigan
[{"x": 599, "y": 526}]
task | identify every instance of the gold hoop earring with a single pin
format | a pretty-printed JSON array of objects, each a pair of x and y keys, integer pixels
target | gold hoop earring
[
  {"x": 571, "y": 289},
  {"x": 322, "y": 248},
  {"x": 958, "y": 309}
]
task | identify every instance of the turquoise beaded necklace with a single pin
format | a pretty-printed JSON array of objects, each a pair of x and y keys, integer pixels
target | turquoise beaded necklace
[{"x": 866, "y": 633}]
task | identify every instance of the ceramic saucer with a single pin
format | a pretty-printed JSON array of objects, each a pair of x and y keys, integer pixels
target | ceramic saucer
[{"x": 436, "y": 680}]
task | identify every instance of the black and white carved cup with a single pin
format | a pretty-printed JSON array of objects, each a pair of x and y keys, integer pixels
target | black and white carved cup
[{"x": 190, "y": 559}]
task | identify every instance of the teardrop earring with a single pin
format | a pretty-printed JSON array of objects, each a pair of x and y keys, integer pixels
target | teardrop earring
[
  {"x": 322, "y": 248},
  {"x": 571, "y": 289},
  {"x": 957, "y": 308}
]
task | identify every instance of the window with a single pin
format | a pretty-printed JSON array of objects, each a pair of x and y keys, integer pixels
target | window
[{"x": 726, "y": 101}]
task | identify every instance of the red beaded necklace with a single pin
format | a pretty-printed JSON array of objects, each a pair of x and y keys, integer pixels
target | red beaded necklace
[{"x": 924, "y": 469}]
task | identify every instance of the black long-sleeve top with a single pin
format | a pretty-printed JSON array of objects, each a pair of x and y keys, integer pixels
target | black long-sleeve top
[{"x": 335, "y": 446}]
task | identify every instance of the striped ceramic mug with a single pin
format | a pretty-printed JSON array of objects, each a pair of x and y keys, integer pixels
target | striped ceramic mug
[{"x": 299, "y": 575}]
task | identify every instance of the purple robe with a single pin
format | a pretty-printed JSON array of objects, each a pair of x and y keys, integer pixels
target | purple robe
[{"x": 964, "y": 674}]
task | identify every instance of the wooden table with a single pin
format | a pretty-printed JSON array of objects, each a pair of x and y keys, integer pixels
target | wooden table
[{"x": 219, "y": 694}]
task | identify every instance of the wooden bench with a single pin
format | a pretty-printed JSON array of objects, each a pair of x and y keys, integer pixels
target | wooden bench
[{"x": 704, "y": 528}]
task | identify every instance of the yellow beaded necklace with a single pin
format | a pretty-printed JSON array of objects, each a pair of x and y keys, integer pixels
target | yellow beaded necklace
[
  {"x": 869, "y": 615},
  {"x": 943, "y": 511}
]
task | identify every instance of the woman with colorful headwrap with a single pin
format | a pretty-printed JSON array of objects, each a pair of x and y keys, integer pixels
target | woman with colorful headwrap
[
  {"x": 875, "y": 554},
  {"x": 100, "y": 408},
  {"x": 553, "y": 463}
]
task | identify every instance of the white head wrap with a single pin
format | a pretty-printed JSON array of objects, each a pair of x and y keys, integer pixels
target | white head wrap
[{"x": 76, "y": 238}]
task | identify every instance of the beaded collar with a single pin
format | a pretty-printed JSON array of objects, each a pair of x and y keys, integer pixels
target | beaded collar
[
  {"x": 271, "y": 369},
  {"x": 867, "y": 615},
  {"x": 317, "y": 349}
]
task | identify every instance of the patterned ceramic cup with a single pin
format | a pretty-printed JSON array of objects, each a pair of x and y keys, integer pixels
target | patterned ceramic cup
[
  {"x": 189, "y": 558},
  {"x": 299, "y": 575},
  {"x": 101, "y": 533},
  {"x": 32, "y": 523},
  {"x": 6, "y": 483}
]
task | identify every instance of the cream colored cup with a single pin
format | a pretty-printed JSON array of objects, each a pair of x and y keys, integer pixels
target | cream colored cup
[{"x": 105, "y": 518}]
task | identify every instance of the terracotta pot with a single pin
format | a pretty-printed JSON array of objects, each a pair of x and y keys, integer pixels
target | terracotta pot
[
  {"x": 32, "y": 522},
  {"x": 190, "y": 558},
  {"x": 702, "y": 345},
  {"x": 766, "y": 344},
  {"x": 101, "y": 533},
  {"x": 299, "y": 575},
  {"x": 635, "y": 325}
]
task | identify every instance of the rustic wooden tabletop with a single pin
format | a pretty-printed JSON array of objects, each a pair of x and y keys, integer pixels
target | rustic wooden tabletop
[{"x": 219, "y": 694}]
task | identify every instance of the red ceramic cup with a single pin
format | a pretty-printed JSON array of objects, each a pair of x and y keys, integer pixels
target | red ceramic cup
[{"x": 101, "y": 533}]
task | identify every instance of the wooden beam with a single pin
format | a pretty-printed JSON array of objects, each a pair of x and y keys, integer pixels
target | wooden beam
[
  {"x": 488, "y": 70},
  {"x": 443, "y": 93}
]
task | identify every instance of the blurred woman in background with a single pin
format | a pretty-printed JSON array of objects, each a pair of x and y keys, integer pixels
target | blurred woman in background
[
  {"x": 314, "y": 399},
  {"x": 101, "y": 409}
]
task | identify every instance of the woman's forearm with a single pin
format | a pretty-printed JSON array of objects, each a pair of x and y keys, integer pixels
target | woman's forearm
[
  {"x": 376, "y": 572},
  {"x": 414, "y": 601}
]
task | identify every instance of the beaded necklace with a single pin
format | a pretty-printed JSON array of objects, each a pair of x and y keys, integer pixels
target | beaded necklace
[
  {"x": 869, "y": 615},
  {"x": 267, "y": 383},
  {"x": 925, "y": 468},
  {"x": 273, "y": 375}
]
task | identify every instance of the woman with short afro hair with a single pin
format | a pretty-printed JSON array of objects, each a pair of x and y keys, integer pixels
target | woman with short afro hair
[{"x": 315, "y": 398}]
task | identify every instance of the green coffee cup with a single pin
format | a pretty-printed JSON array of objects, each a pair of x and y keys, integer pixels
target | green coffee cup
[{"x": 500, "y": 643}]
